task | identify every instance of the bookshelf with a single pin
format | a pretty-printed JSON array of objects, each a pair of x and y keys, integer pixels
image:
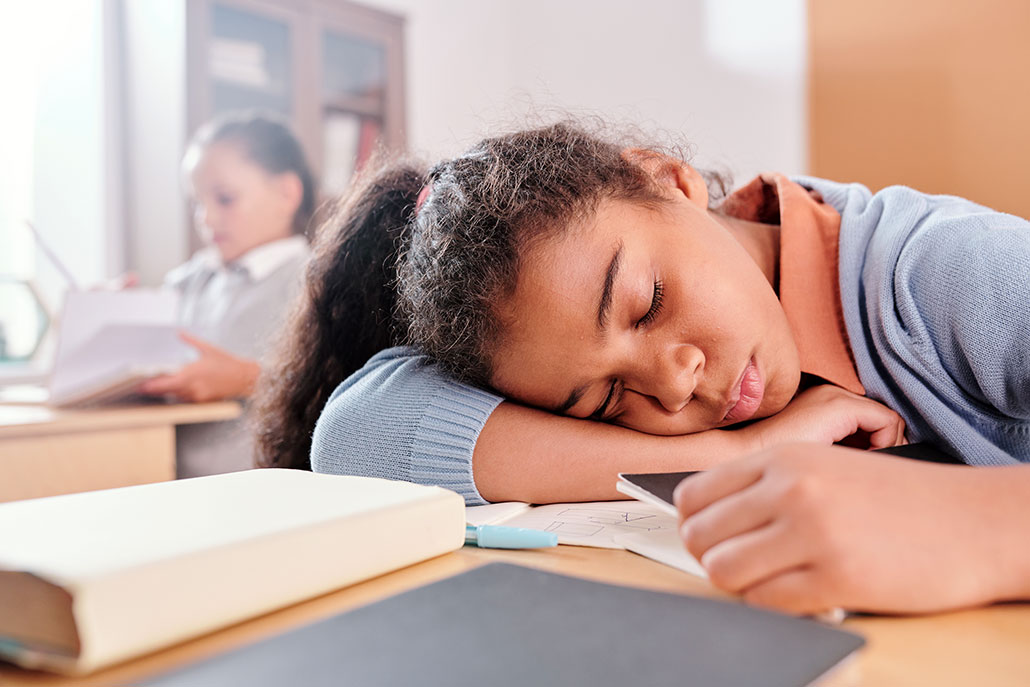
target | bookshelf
[{"x": 333, "y": 68}]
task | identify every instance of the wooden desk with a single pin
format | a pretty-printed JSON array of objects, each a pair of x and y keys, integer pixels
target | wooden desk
[
  {"x": 989, "y": 646},
  {"x": 46, "y": 451}
]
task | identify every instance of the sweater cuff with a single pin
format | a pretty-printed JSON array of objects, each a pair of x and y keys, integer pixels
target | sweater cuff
[{"x": 446, "y": 437}]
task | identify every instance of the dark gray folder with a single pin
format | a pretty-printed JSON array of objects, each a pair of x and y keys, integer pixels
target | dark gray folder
[{"x": 509, "y": 625}]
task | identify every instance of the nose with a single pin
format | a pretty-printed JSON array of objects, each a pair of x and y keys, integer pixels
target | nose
[
  {"x": 677, "y": 369},
  {"x": 206, "y": 217}
]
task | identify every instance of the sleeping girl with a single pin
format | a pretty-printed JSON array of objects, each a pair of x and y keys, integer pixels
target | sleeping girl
[{"x": 555, "y": 275}]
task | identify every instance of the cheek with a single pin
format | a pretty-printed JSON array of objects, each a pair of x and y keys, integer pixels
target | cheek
[
  {"x": 780, "y": 389},
  {"x": 643, "y": 415}
]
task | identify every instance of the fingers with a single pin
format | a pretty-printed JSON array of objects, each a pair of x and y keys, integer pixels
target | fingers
[
  {"x": 733, "y": 515},
  {"x": 797, "y": 590},
  {"x": 162, "y": 384},
  {"x": 699, "y": 491},
  {"x": 886, "y": 427},
  {"x": 740, "y": 562},
  {"x": 199, "y": 344},
  {"x": 891, "y": 434}
]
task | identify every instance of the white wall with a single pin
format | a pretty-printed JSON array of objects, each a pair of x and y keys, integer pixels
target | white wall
[{"x": 727, "y": 75}]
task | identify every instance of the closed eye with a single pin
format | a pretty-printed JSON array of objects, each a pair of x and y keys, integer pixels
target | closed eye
[
  {"x": 656, "y": 305},
  {"x": 614, "y": 394}
]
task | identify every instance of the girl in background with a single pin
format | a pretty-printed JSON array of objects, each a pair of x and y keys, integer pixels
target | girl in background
[
  {"x": 253, "y": 197},
  {"x": 594, "y": 281}
]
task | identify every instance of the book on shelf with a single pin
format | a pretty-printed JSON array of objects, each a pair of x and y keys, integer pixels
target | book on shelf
[
  {"x": 239, "y": 61},
  {"x": 91, "y": 579}
]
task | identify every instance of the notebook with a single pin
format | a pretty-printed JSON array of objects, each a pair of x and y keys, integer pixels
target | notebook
[
  {"x": 507, "y": 625},
  {"x": 599, "y": 524},
  {"x": 655, "y": 488},
  {"x": 90, "y": 579}
]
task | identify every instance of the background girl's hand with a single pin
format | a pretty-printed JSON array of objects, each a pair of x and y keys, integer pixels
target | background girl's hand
[
  {"x": 828, "y": 414},
  {"x": 126, "y": 280},
  {"x": 805, "y": 528},
  {"x": 215, "y": 375}
]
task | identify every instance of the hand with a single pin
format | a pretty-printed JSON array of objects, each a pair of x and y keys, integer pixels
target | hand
[
  {"x": 828, "y": 414},
  {"x": 805, "y": 528},
  {"x": 126, "y": 280},
  {"x": 215, "y": 375}
]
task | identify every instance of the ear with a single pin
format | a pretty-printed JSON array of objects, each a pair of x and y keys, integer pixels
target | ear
[
  {"x": 674, "y": 176},
  {"x": 290, "y": 189}
]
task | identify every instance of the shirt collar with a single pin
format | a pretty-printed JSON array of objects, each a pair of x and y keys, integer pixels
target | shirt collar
[
  {"x": 809, "y": 287},
  {"x": 261, "y": 261},
  {"x": 258, "y": 262}
]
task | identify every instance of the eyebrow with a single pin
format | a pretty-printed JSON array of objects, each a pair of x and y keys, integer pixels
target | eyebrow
[{"x": 605, "y": 305}]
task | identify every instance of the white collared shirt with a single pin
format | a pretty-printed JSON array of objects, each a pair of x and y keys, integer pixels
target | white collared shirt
[
  {"x": 268, "y": 257},
  {"x": 240, "y": 305}
]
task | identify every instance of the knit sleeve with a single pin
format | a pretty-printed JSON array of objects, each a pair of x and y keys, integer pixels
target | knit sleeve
[
  {"x": 964, "y": 291},
  {"x": 400, "y": 418}
]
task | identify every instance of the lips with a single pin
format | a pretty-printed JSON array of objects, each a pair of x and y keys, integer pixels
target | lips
[{"x": 749, "y": 394}]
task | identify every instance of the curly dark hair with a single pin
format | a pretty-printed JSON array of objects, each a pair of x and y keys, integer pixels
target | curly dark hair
[
  {"x": 344, "y": 315},
  {"x": 485, "y": 209},
  {"x": 383, "y": 274}
]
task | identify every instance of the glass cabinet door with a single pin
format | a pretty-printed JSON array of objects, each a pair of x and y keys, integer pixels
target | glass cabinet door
[
  {"x": 249, "y": 61},
  {"x": 354, "y": 105}
]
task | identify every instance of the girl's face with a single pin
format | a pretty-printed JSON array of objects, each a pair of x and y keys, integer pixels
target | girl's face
[
  {"x": 238, "y": 205},
  {"x": 658, "y": 320}
]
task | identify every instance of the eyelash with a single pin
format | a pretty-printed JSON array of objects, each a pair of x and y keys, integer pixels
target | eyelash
[
  {"x": 648, "y": 318},
  {"x": 656, "y": 305},
  {"x": 599, "y": 414}
]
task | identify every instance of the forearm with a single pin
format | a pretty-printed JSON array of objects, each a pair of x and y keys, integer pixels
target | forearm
[
  {"x": 529, "y": 455},
  {"x": 999, "y": 505}
]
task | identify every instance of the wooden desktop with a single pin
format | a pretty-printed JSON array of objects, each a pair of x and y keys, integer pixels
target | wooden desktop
[
  {"x": 48, "y": 451},
  {"x": 988, "y": 646}
]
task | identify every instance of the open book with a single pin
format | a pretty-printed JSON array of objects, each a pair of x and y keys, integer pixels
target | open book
[
  {"x": 111, "y": 341},
  {"x": 90, "y": 579}
]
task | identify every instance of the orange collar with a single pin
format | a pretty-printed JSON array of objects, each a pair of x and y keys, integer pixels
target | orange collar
[{"x": 809, "y": 287}]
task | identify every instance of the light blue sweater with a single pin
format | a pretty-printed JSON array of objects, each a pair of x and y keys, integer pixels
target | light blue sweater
[{"x": 936, "y": 297}]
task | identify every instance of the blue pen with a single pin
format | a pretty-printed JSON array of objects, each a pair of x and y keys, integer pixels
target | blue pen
[{"x": 493, "y": 537}]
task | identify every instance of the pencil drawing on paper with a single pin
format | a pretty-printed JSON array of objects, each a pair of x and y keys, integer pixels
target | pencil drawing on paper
[{"x": 587, "y": 522}]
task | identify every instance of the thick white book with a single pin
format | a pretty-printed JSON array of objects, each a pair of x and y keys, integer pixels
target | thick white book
[{"x": 92, "y": 579}]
